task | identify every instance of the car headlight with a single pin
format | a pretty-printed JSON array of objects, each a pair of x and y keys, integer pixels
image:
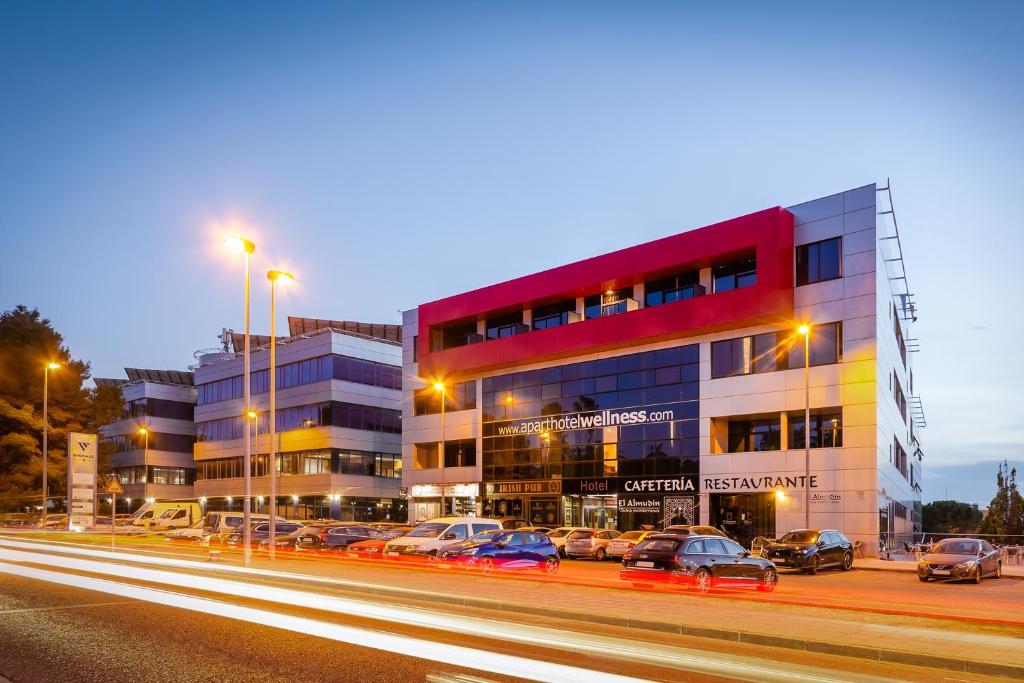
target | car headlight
[{"x": 969, "y": 564}]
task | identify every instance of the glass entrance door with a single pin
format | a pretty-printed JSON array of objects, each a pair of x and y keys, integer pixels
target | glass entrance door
[{"x": 600, "y": 512}]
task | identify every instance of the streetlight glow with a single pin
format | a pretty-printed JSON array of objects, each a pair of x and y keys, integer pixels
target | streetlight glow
[
  {"x": 281, "y": 276},
  {"x": 438, "y": 386},
  {"x": 52, "y": 366},
  {"x": 804, "y": 329},
  {"x": 240, "y": 244}
]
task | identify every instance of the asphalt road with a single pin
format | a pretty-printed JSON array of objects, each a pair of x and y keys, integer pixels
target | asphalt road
[
  {"x": 55, "y": 632},
  {"x": 858, "y": 590}
]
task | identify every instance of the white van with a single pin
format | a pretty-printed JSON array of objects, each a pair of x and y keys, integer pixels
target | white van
[
  {"x": 220, "y": 524},
  {"x": 427, "y": 537},
  {"x": 166, "y": 515}
]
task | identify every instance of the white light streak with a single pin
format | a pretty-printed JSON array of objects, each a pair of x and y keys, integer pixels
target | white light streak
[
  {"x": 644, "y": 653},
  {"x": 442, "y": 653}
]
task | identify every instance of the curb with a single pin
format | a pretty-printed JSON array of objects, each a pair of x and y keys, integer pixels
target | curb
[{"x": 870, "y": 653}]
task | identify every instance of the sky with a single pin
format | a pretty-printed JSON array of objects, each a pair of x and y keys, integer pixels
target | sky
[{"x": 395, "y": 153}]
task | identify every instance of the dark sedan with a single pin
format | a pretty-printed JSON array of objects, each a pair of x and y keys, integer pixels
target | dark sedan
[
  {"x": 701, "y": 561},
  {"x": 960, "y": 558},
  {"x": 810, "y": 550},
  {"x": 503, "y": 549},
  {"x": 261, "y": 532}
]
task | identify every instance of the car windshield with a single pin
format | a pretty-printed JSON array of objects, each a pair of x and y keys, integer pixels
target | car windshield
[
  {"x": 659, "y": 545},
  {"x": 581, "y": 533},
  {"x": 428, "y": 530},
  {"x": 489, "y": 535},
  {"x": 559, "y": 533},
  {"x": 631, "y": 535},
  {"x": 955, "y": 546},
  {"x": 805, "y": 536}
]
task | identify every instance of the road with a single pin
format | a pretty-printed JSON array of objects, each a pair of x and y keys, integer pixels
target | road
[
  {"x": 882, "y": 592},
  {"x": 81, "y": 618}
]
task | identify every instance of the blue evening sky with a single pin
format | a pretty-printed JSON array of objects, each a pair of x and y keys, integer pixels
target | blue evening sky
[{"x": 396, "y": 153}]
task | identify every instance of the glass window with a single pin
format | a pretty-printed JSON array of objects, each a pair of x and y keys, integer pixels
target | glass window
[
  {"x": 746, "y": 435},
  {"x": 460, "y": 453},
  {"x": 735, "y": 275},
  {"x": 609, "y": 303},
  {"x": 425, "y": 456},
  {"x": 714, "y": 546},
  {"x": 554, "y": 315},
  {"x": 673, "y": 288},
  {"x": 819, "y": 261},
  {"x": 826, "y": 428},
  {"x": 731, "y": 357},
  {"x": 826, "y": 346}
]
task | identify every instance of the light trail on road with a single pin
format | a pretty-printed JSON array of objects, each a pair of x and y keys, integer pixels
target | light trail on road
[
  {"x": 637, "y": 651},
  {"x": 454, "y": 655}
]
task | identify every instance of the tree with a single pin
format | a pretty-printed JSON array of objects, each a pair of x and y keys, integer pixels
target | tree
[
  {"x": 1006, "y": 511},
  {"x": 950, "y": 517},
  {"x": 27, "y": 342}
]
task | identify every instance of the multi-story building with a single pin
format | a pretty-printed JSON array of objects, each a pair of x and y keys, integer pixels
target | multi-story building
[
  {"x": 152, "y": 442},
  {"x": 665, "y": 383},
  {"x": 338, "y": 423}
]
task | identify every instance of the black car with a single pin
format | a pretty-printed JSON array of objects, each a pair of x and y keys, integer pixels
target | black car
[
  {"x": 701, "y": 561},
  {"x": 340, "y": 537},
  {"x": 261, "y": 532},
  {"x": 810, "y": 550}
]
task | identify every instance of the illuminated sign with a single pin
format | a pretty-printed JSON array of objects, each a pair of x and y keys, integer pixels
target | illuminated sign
[
  {"x": 450, "y": 490},
  {"x": 504, "y": 488},
  {"x": 766, "y": 483},
  {"x": 595, "y": 419},
  {"x": 82, "y": 454}
]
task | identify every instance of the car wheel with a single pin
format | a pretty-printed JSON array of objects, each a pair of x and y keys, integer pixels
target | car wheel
[
  {"x": 561, "y": 553},
  {"x": 486, "y": 565},
  {"x": 769, "y": 579},
  {"x": 702, "y": 580},
  {"x": 923, "y": 578},
  {"x": 847, "y": 564},
  {"x": 976, "y": 578},
  {"x": 601, "y": 555},
  {"x": 813, "y": 565},
  {"x": 550, "y": 565},
  {"x": 999, "y": 571}
]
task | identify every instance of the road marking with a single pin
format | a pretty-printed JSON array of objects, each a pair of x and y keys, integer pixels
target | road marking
[
  {"x": 637, "y": 651},
  {"x": 453, "y": 655}
]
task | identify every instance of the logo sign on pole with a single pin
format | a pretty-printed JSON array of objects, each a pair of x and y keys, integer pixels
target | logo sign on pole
[
  {"x": 82, "y": 456},
  {"x": 113, "y": 485}
]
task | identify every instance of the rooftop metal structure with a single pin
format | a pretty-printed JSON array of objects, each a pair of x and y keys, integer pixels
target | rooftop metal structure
[{"x": 175, "y": 377}]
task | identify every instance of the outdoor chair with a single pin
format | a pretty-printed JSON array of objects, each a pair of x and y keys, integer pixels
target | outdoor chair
[{"x": 857, "y": 549}]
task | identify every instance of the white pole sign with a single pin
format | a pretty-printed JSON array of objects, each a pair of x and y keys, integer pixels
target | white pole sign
[{"x": 82, "y": 456}]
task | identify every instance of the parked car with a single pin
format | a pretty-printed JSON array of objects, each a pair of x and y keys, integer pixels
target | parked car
[
  {"x": 169, "y": 514},
  {"x": 810, "y": 550},
  {"x": 695, "y": 530},
  {"x": 503, "y": 549},
  {"x": 261, "y": 532},
  {"x": 309, "y": 536},
  {"x": 196, "y": 532},
  {"x": 592, "y": 543},
  {"x": 340, "y": 537},
  {"x": 374, "y": 547},
  {"x": 560, "y": 535},
  {"x": 15, "y": 519},
  {"x": 626, "y": 541},
  {"x": 542, "y": 529},
  {"x": 701, "y": 561},
  {"x": 429, "y": 536},
  {"x": 220, "y": 524},
  {"x": 960, "y": 558},
  {"x": 512, "y": 522}
]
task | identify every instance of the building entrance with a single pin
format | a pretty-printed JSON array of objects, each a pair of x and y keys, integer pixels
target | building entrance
[{"x": 744, "y": 516}]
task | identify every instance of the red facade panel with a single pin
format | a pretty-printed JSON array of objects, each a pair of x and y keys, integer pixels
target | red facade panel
[{"x": 767, "y": 233}]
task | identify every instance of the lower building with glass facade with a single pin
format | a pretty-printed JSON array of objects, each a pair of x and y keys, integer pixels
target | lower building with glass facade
[
  {"x": 152, "y": 442},
  {"x": 338, "y": 423},
  {"x": 665, "y": 383}
]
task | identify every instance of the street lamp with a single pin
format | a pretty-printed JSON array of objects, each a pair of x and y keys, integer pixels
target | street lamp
[
  {"x": 283, "y": 277},
  {"x": 145, "y": 451},
  {"x": 805, "y": 330},
  {"x": 439, "y": 386},
  {"x": 46, "y": 436},
  {"x": 243, "y": 245},
  {"x": 253, "y": 417}
]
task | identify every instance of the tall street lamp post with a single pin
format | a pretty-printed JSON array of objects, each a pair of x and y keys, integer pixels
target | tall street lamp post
[
  {"x": 46, "y": 436},
  {"x": 145, "y": 451},
  {"x": 805, "y": 330},
  {"x": 244, "y": 245},
  {"x": 274, "y": 276},
  {"x": 439, "y": 386}
]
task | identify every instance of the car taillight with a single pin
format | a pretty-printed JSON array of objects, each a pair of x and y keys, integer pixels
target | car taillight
[
  {"x": 323, "y": 537},
  {"x": 631, "y": 545}
]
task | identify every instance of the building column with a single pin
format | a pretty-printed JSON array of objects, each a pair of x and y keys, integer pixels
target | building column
[
  {"x": 705, "y": 279},
  {"x": 335, "y": 507}
]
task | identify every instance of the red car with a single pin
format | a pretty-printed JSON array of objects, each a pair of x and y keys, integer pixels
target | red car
[{"x": 373, "y": 548}]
